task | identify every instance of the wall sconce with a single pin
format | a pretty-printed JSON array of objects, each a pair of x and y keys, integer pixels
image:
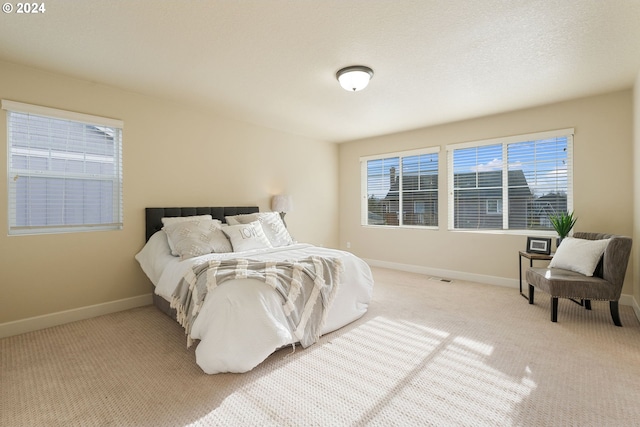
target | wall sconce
[
  {"x": 355, "y": 77},
  {"x": 282, "y": 203}
]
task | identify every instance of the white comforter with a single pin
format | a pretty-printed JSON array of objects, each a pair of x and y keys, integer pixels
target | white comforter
[{"x": 242, "y": 322}]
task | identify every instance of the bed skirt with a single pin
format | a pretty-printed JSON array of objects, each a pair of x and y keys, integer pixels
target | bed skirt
[{"x": 164, "y": 306}]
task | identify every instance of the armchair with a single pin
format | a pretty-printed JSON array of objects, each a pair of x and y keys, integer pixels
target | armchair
[{"x": 604, "y": 285}]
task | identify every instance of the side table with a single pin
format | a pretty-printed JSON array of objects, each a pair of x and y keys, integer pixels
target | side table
[{"x": 531, "y": 257}]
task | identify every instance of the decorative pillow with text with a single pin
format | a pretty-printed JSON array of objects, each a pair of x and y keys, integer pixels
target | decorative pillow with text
[
  {"x": 245, "y": 237},
  {"x": 272, "y": 225}
]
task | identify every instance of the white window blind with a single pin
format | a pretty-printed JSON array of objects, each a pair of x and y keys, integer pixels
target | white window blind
[
  {"x": 512, "y": 183},
  {"x": 401, "y": 189},
  {"x": 65, "y": 170}
]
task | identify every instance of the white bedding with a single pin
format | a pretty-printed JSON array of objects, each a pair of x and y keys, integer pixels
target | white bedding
[{"x": 242, "y": 322}]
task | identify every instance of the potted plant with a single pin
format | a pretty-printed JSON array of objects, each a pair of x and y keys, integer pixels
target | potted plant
[{"x": 562, "y": 222}]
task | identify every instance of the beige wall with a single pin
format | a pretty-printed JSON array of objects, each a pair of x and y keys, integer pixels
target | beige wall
[
  {"x": 603, "y": 201},
  {"x": 218, "y": 161},
  {"x": 172, "y": 155},
  {"x": 636, "y": 192}
]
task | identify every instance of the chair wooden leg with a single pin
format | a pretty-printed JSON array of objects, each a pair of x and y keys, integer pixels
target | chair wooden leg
[
  {"x": 587, "y": 304},
  {"x": 554, "y": 309},
  {"x": 615, "y": 314},
  {"x": 530, "y": 294}
]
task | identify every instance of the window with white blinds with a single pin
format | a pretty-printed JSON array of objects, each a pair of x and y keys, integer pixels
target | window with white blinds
[
  {"x": 64, "y": 170},
  {"x": 512, "y": 183},
  {"x": 400, "y": 189}
]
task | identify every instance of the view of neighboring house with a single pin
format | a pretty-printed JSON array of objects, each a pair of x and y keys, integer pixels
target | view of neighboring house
[
  {"x": 63, "y": 172},
  {"x": 479, "y": 204},
  {"x": 547, "y": 205},
  {"x": 478, "y": 201},
  {"x": 419, "y": 201}
]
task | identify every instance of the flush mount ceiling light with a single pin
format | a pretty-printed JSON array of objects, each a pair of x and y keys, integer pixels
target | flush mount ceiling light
[{"x": 355, "y": 77}]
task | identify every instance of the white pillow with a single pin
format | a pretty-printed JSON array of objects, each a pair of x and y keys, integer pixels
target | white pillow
[
  {"x": 153, "y": 255},
  {"x": 194, "y": 238},
  {"x": 241, "y": 219},
  {"x": 176, "y": 219},
  {"x": 579, "y": 255},
  {"x": 168, "y": 220},
  {"x": 272, "y": 224},
  {"x": 245, "y": 237}
]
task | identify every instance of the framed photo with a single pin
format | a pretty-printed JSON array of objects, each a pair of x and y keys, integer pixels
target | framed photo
[{"x": 539, "y": 245}]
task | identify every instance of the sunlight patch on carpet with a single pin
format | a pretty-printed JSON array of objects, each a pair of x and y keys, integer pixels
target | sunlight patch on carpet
[{"x": 382, "y": 372}]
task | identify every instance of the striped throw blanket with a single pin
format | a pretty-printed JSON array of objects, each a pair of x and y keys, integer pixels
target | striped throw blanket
[{"x": 307, "y": 288}]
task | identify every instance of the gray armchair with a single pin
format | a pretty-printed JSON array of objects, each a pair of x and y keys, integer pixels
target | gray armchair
[{"x": 604, "y": 285}]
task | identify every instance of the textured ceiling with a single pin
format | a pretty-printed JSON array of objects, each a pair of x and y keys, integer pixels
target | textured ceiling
[{"x": 273, "y": 62}]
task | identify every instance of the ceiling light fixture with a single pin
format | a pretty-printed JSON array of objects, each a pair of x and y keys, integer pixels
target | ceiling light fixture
[{"x": 355, "y": 77}]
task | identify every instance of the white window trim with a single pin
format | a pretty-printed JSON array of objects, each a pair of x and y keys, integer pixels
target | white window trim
[
  {"x": 511, "y": 139},
  {"x": 363, "y": 183},
  {"x": 21, "y": 107},
  {"x": 568, "y": 132}
]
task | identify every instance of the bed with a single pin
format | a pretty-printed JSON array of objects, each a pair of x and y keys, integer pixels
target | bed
[{"x": 243, "y": 316}]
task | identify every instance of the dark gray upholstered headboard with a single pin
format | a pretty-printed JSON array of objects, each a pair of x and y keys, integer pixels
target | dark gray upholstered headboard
[{"x": 153, "y": 216}]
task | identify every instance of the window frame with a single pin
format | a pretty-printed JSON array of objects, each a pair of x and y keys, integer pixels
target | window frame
[
  {"x": 78, "y": 118},
  {"x": 364, "y": 205},
  {"x": 505, "y": 142}
]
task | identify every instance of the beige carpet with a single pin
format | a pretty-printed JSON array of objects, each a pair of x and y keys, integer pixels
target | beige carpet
[{"x": 426, "y": 353}]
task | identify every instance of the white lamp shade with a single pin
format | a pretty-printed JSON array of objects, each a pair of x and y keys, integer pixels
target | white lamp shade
[
  {"x": 354, "y": 78},
  {"x": 282, "y": 203}
]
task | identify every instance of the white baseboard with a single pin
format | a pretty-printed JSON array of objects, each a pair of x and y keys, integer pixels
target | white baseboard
[
  {"x": 633, "y": 303},
  {"x": 625, "y": 299},
  {"x": 445, "y": 274},
  {"x": 54, "y": 319}
]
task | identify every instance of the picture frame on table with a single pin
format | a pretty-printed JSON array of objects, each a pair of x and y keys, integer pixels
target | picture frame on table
[{"x": 539, "y": 245}]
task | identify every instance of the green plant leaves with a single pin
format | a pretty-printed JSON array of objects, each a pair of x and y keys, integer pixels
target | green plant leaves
[{"x": 563, "y": 222}]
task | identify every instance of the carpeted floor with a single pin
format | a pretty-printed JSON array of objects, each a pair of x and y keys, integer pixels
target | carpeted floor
[{"x": 426, "y": 353}]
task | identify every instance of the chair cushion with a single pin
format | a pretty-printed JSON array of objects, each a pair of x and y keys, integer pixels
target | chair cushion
[{"x": 561, "y": 283}]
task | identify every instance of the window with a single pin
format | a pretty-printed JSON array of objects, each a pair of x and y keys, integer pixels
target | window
[
  {"x": 65, "y": 170},
  {"x": 494, "y": 206},
  {"x": 401, "y": 189},
  {"x": 512, "y": 183}
]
